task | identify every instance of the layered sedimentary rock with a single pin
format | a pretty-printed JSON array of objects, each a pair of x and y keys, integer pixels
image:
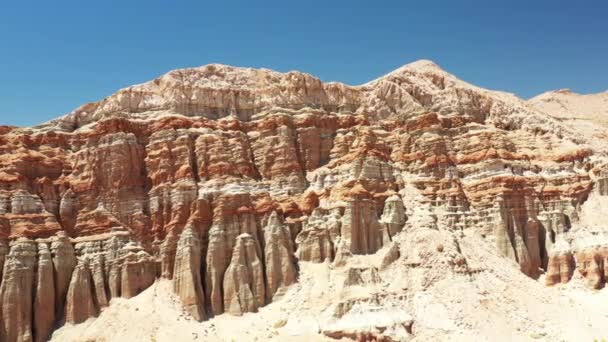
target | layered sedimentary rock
[
  {"x": 279, "y": 260},
  {"x": 16, "y": 292},
  {"x": 591, "y": 263},
  {"x": 44, "y": 300},
  {"x": 187, "y": 274},
  {"x": 360, "y": 230},
  {"x": 139, "y": 270},
  {"x": 79, "y": 303},
  {"x": 316, "y": 241},
  {"x": 64, "y": 261},
  {"x": 393, "y": 218},
  {"x": 560, "y": 268},
  {"x": 3, "y": 254},
  {"x": 244, "y": 289},
  {"x": 233, "y": 216},
  {"x": 99, "y": 274},
  {"x": 227, "y": 179}
]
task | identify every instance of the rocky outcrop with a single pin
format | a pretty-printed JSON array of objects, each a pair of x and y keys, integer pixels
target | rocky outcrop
[
  {"x": 361, "y": 276},
  {"x": 80, "y": 303},
  {"x": 360, "y": 229},
  {"x": 187, "y": 275},
  {"x": 138, "y": 271},
  {"x": 343, "y": 254},
  {"x": 167, "y": 251},
  {"x": 319, "y": 234},
  {"x": 368, "y": 320},
  {"x": 16, "y": 292},
  {"x": 64, "y": 261},
  {"x": 3, "y": 254},
  {"x": 225, "y": 180},
  {"x": 393, "y": 218},
  {"x": 280, "y": 268},
  {"x": 560, "y": 268},
  {"x": 98, "y": 273},
  {"x": 216, "y": 264},
  {"x": 44, "y": 299},
  {"x": 602, "y": 186},
  {"x": 114, "y": 279},
  {"x": 233, "y": 215},
  {"x": 591, "y": 264},
  {"x": 391, "y": 255},
  {"x": 244, "y": 289}
]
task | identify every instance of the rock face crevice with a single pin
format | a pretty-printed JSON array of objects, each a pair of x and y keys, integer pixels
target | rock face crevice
[{"x": 226, "y": 180}]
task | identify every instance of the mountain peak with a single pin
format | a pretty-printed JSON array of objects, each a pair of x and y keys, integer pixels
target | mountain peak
[
  {"x": 563, "y": 91},
  {"x": 422, "y": 64}
]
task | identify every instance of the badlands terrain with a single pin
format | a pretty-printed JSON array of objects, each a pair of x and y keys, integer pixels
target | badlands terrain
[{"x": 234, "y": 204}]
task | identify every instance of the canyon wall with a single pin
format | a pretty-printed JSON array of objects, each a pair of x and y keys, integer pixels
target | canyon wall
[{"x": 226, "y": 179}]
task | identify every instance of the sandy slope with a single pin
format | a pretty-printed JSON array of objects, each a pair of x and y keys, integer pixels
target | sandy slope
[
  {"x": 586, "y": 114},
  {"x": 493, "y": 303},
  {"x": 569, "y": 105}
]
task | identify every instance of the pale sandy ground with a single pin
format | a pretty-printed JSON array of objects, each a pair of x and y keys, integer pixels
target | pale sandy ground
[
  {"x": 155, "y": 315},
  {"x": 498, "y": 303},
  {"x": 586, "y": 114},
  {"x": 569, "y": 105}
]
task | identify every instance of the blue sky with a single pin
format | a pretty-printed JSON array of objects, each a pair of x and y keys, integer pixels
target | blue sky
[{"x": 56, "y": 55}]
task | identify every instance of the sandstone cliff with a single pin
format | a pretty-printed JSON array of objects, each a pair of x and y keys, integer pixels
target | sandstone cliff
[{"x": 228, "y": 180}]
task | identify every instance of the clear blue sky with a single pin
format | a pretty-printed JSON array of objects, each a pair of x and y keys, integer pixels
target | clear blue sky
[{"x": 56, "y": 55}]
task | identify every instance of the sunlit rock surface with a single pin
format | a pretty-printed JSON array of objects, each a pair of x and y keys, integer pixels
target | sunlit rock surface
[{"x": 227, "y": 180}]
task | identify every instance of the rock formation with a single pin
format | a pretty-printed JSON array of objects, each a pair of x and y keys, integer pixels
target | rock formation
[
  {"x": 44, "y": 300},
  {"x": 316, "y": 241},
  {"x": 278, "y": 256},
  {"x": 79, "y": 303},
  {"x": 560, "y": 268},
  {"x": 244, "y": 289},
  {"x": 16, "y": 292},
  {"x": 227, "y": 180},
  {"x": 360, "y": 229},
  {"x": 187, "y": 274},
  {"x": 4, "y": 248},
  {"x": 64, "y": 262},
  {"x": 393, "y": 218}
]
